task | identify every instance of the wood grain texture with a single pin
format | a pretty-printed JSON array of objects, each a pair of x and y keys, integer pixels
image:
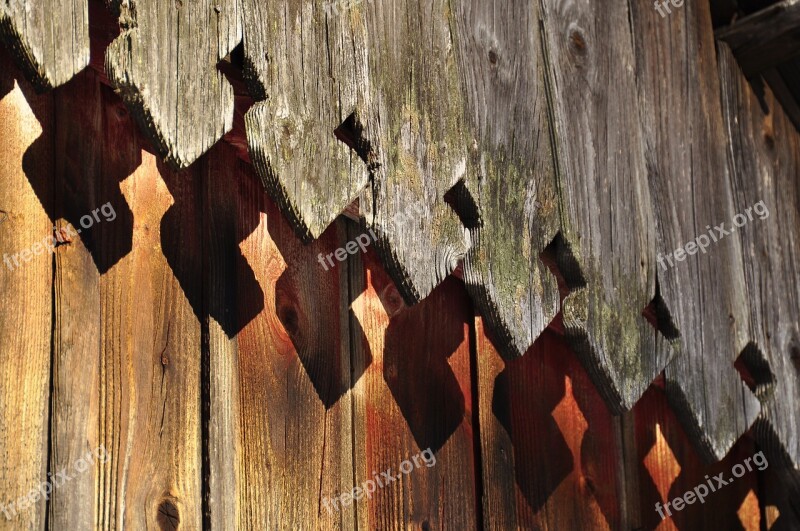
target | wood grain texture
[
  {"x": 607, "y": 224},
  {"x": 88, "y": 164},
  {"x": 49, "y": 39},
  {"x": 307, "y": 69},
  {"x": 164, "y": 66},
  {"x": 765, "y": 154},
  {"x": 780, "y": 85},
  {"x": 222, "y": 227},
  {"x": 124, "y": 315},
  {"x": 766, "y": 38},
  {"x": 510, "y": 187},
  {"x": 414, "y": 395},
  {"x": 26, "y": 196},
  {"x": 668, "y": 466},
  {"x": 702, "y": 294},
  {"x": 280, "y": 412},
  {"x": 150, "y": 368},
  {"x": 239, "y": 384},
  {"x": 551, "y": 450},
  {"x": 414, "y": 123}
]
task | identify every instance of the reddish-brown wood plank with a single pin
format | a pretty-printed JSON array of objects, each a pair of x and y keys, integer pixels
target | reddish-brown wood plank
[
  {"x": 554, "y": 458},
  {"x": 279, "y": 362},
  {"x": 668, "y": 466},
  {"x": 85, "y": 113},
  {"x": 551, "y": 450},
  {"x": 415, "y": 395},
  {"x": 26, "y": 165}
]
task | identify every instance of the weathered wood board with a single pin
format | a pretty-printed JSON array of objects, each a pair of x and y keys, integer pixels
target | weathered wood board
[
  {"x": 554, "y": 457},
  {"x": 164, "y": 66},
  {"x": 414, "y": 123},
  {"x": 702, "y": 292},
  {"x": 605, "y": 204},
  {"x": 307, "y": 68},
  {"x": 550, "y": 448},
  {"x": 765, "y": 154},
  {"x": 26, "y": 274},
  {"x": 332, "y": 399},
  {"x": 80, "y": 183},
  {"x": 509, "y": 196},
  {"x": 236, "y": 381},
  {"x": 666, "y": 465},
  {"x": 49, "y": 39}
]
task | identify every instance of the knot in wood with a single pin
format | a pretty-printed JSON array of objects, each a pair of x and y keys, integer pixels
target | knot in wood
[
  {"x": 794, "y": 354},
  {"x": 577, "y": 40},
  {"x": 168, "y": 517}
]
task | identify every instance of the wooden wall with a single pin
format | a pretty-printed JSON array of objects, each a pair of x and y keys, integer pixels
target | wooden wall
[{"x": 236, "y": 384}]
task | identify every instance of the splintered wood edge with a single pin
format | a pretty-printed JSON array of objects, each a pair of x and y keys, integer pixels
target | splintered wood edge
[
  {"x": 29, "y": 46},
  {"x": 776, "y": 378},
  {"x": 180, "y": 133},
  {"x": 305, "y": 137}
]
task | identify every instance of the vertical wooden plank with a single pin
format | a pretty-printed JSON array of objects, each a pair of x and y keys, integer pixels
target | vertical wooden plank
[
  {"x": 703, "y": 300},
  {"x": 90, "y": 163},
  {"x": 496, "y": 443},
  {"x": 26, "y": 166},
  {"x": 415, "y": 395},
  {"x": 282, "y": 350},
  {"x": 164, "y": 65},
  {"x": 605, "y": 198},
  {"x": 150, "y": 370},
  {"x": 414, "y": 123},
  {"x": 780, "y": 495},
  {"x": 134, "y": 278},
  {"x": 49, "y": 39},
  {"x": 550, "y": 447},
  {"x": 225, "y": 219},
  {"x": 306, "y": 63},
  {"x": 765, "y": 155},
  {"x": 510, "y": 186}
]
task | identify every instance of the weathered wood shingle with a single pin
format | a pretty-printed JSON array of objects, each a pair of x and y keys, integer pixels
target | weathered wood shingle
[
  {"x": 414, "y": 122},
  {"x": 307, "y": 69},
  {"x": 48, "y": 38},
  {"x": 703, "y": 292},
  {"x": 509, "y": 198},
  {"x": 764, "y": 148},
  {"x": 164, "y": 66},
  {"x": 607, "y": 222}
]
